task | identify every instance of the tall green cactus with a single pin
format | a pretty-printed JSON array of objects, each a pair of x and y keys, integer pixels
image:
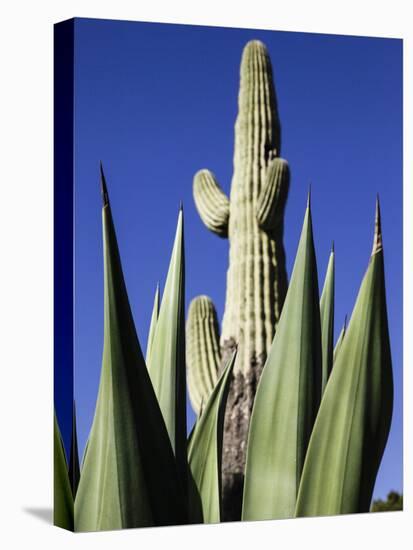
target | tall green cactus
[{"x": 252, "y": 220}]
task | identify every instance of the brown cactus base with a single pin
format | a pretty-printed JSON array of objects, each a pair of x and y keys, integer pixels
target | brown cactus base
[{"x": 237, "y": 416}]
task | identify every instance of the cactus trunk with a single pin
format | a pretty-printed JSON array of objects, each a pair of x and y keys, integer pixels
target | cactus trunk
[
  {"x": 256, "y": 282},
  {"x": 256, "y": 276}
]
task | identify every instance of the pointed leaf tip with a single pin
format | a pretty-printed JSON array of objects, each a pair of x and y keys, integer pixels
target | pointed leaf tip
[
  {"x": 377, "y": 241},
  {"x": 167, "y": 357},
  {"x": 309, "y": 196},
  {"x": 181, "y": 206},
  {"x": 332, "y": 248},
  {"x": 103, "y": 187}
]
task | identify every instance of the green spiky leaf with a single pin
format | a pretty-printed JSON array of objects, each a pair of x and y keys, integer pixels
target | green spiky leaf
[
  {"x": 354, "y": 419},
  {"x": 327, "y": 322},
  {"x": 167, "y": 368},
  {"x": 152, "y": 327},
  {"x": 205, "y": 448},
  {"x": 191, "y": 433},
  {"x": 129, "y": 476},
  {"x": 63, "y": 498},
  {"x": 84, "y": 454},
  {"x": 340, "y": 340},
  {"x": 287, "y": 396}
]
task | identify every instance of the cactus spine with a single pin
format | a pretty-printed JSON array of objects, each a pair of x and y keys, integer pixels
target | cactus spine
[{"x": 256, "y": 278}]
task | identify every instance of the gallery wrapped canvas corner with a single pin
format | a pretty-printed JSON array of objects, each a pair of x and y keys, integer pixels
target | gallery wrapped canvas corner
[{"x": 228, "y": 275}]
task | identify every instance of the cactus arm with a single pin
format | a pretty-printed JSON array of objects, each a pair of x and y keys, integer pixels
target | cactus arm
[
  {"x": 202, "y": 350},
  {"x": 211, "y": 202},
  {"x": 273, "y": 196}
]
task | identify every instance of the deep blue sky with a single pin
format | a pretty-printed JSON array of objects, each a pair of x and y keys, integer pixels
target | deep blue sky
[{"x": 157, "y": 102}]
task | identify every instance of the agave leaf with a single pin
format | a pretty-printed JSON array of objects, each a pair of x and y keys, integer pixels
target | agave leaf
[
  {"x": 287, "y": 396},
  {"x": 340, "y": 340},
  {"x": 63, "y": 498},
  {"x": 74, "y": 469},
  {"x": 354, "y": 419},
  {"x": 205, "y": 448},
  {"x": 154, "y": 320},
  {"x": 84, "y": 454},
  {"x": 327, "y": 322},
  {"x": 195, "y": 514},
  {"x": 191, "y": 433},
  {"x": 129, "y": 476},
  {"x": 167, "y": 367}
]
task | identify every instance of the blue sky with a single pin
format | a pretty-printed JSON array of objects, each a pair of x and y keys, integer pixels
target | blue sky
[{"x": 157, "y": 102}]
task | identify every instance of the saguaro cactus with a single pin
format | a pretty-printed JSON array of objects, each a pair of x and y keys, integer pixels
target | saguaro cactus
[{"x": 252, "y": 220}]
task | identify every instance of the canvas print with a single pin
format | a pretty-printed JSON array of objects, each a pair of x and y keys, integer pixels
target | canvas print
[{"x": 228, "y": 275}]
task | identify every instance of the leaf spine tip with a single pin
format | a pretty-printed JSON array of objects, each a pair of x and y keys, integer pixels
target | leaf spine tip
[
  {"x": 103, "y": 187},
  {"x": 377, "y": 240},
  {"x": 309, "y": 196}
]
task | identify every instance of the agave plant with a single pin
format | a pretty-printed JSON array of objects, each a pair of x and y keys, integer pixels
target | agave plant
[
  {"x": 306, "y": 457},
  {"x": 316, "y": 437},
  {"x": 353, "y": 422},
  {"x": 320, "y": 417},
  {"x": 130, "y": 475}
]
